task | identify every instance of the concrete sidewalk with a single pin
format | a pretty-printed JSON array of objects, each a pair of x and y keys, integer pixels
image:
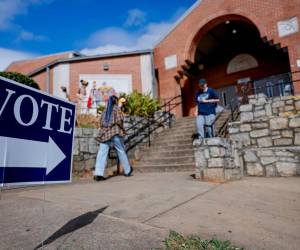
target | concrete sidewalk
[{"x": 137, "y": 213}]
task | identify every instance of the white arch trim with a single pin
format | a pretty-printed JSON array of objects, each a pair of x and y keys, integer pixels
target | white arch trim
[{"x": 241, "y": 62}]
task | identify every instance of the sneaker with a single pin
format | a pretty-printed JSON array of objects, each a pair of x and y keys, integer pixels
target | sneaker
[
  {"x": 99, "y": 178},
  {"x": 130, "y": 172}
]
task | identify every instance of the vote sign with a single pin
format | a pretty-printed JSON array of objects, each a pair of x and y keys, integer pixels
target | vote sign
[{"x": 36, "y": 136}]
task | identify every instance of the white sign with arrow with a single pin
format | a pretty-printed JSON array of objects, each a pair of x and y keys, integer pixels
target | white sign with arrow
[{"x": 20, "y": 153}]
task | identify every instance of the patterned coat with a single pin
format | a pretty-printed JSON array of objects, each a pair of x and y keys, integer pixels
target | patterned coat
[{"x": 115, "y": 126}]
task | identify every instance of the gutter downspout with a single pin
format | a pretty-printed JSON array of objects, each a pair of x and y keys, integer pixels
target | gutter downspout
[
  {"x": 154, "y": 82},
  {"x": 48, "y": 80}
]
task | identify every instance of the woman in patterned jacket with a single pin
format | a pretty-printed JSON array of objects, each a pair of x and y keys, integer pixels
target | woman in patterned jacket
[{"x": 111, "y": 132}]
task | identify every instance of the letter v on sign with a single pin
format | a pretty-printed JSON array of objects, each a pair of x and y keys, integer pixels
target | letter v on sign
[{"x": 20, "y": 153}]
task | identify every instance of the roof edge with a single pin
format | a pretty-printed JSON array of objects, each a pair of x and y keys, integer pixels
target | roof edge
[
  {"x": 82, "y": 57},
  {"x": 184, "y": 15},
  {"x": 43, "y": 56}
]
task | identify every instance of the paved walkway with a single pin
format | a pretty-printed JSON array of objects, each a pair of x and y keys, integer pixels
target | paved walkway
[{"x": 137, "y": 213}]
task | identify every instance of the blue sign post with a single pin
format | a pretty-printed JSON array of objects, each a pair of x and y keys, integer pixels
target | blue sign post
[{"x": 36, "y": 136}]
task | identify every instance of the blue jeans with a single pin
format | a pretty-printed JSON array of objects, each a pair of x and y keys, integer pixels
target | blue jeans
[
  {"x": 205, "y": 120},
  {"x": 117, "y": 141}
]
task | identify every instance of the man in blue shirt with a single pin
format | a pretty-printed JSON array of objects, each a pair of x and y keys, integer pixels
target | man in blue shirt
[{"x": 206, "y": 99}]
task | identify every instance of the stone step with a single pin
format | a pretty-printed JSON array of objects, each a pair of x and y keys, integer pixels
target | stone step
[
  {"x": 165, "y": 168},
  {"x": 159, "y": 154},
  {"x": 167, "y": 160}
]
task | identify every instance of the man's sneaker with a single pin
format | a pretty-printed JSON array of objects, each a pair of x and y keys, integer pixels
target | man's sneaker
[
  {"x": 99, "y": 178},
  {"x": 130, "y": 172}
]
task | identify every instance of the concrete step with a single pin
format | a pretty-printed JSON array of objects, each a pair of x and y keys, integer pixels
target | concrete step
[
  {"x": 173, "y": 139},
  {"x": 169, "y": 143},
  {"x": 165, "y": 168},
  {"x": 167, "y": 160},
  {"x": 164, "y": 147},
  {"x": 160, "y": 154}
]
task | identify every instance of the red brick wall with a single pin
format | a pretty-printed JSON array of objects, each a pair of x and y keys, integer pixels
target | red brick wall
[
  {"x": 182, "y": 40},
  {"x": 27, "y": 66},
  {"x": 117, "y": 65}
]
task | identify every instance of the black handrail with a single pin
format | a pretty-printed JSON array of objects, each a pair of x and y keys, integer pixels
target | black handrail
[{"x": 144, "y": 128}]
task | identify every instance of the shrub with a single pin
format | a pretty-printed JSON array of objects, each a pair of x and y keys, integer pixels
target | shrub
[
  {"x": 87, "y": 121},
  {"x": 20, "y": 78},
  {"x": 175, "y": 241},
  {"x": 138, "y": 104}
]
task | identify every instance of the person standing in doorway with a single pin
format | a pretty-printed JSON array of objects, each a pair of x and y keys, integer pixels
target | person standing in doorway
[
  {"x": 111, "y": 133},
  {"x": 206, "y": 99}
]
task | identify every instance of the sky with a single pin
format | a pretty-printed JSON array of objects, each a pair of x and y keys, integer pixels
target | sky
[{"x": 31, "y": 28}]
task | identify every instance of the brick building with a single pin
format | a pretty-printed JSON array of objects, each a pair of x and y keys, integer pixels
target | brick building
[{"x": 227, "y": 42}]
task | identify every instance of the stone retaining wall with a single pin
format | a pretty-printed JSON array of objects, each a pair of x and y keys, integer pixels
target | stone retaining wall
[
  {"x": 217, "y": 159},
  {"x": 266, "y": 142}
]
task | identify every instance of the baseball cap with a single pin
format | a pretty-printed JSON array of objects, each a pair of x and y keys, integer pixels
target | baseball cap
[{"x": 202, "y": 82}]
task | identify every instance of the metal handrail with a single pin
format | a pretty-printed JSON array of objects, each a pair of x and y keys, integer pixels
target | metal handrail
[{"x": 143, "y": 129}]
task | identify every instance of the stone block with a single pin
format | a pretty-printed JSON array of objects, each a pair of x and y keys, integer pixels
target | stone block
[
  {"x": 244, "y": 138},
  {"x": 278, "y": 104},
  {"x": 87, "y": 131},
  {"x": 275, "y": 132},
  {"x": 232, "y": 174},
  {"x": 217, "y": 141},
  {"x": 200, "y": 159},
  {"x": 259, "y": 133},
  {"x": 233, "y": 130},
  {"x": 284, "y": 153},
  {"x": 90, "y": 164},
  {"x": 83, "y": 142},
  {"x": 287, "y": 133},
  {"x": 93, "y": 146},
  {"x": 259, "y": 113},
  {"x": 297, "y": 139},
  {"x": 78, "y": 132},
  {"x": 245, "y": 128},
  {"x": 217, "y": 151},
  {"x": 297, "y": 105},
  {"x": 286, "y": 169},
  {"x": 259, "y": 125},
  {"x": 268, "y": 109},
  {"x": 261, "y": 101},
  {"x": 250, "y": 156},
  {"x": 283, "y": 142},
  {"x": 253, "y": 142},
  {"x": 275, "y": 137},
  {"x": 206, "y": 153},
  {"x": 76, "y": 147},
  {"x": 267, "y": 160},
  {"x": 254, "y": 169},
  {"x": 265, "y": 142},
  {"x": 216, "y": 163},
  {"x": 270, "y": 171},
  {"x": 246, "y": 108},
  {"x": 279, "y": 123},
  {"x": 213, "y": 174},
  {"x": 246, "y": 116},
  {"x": 295, "y": 122},
  {"x": 289, "y": 159},
  {"x": 78, "y": 166},
  {"x": 289, "y": 108},
  {"x": 265, "y": 153},
  {"x": 275, "y": 111}
]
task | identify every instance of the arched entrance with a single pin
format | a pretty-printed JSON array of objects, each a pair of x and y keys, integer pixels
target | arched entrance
[{"x": 229, "y": 51}]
